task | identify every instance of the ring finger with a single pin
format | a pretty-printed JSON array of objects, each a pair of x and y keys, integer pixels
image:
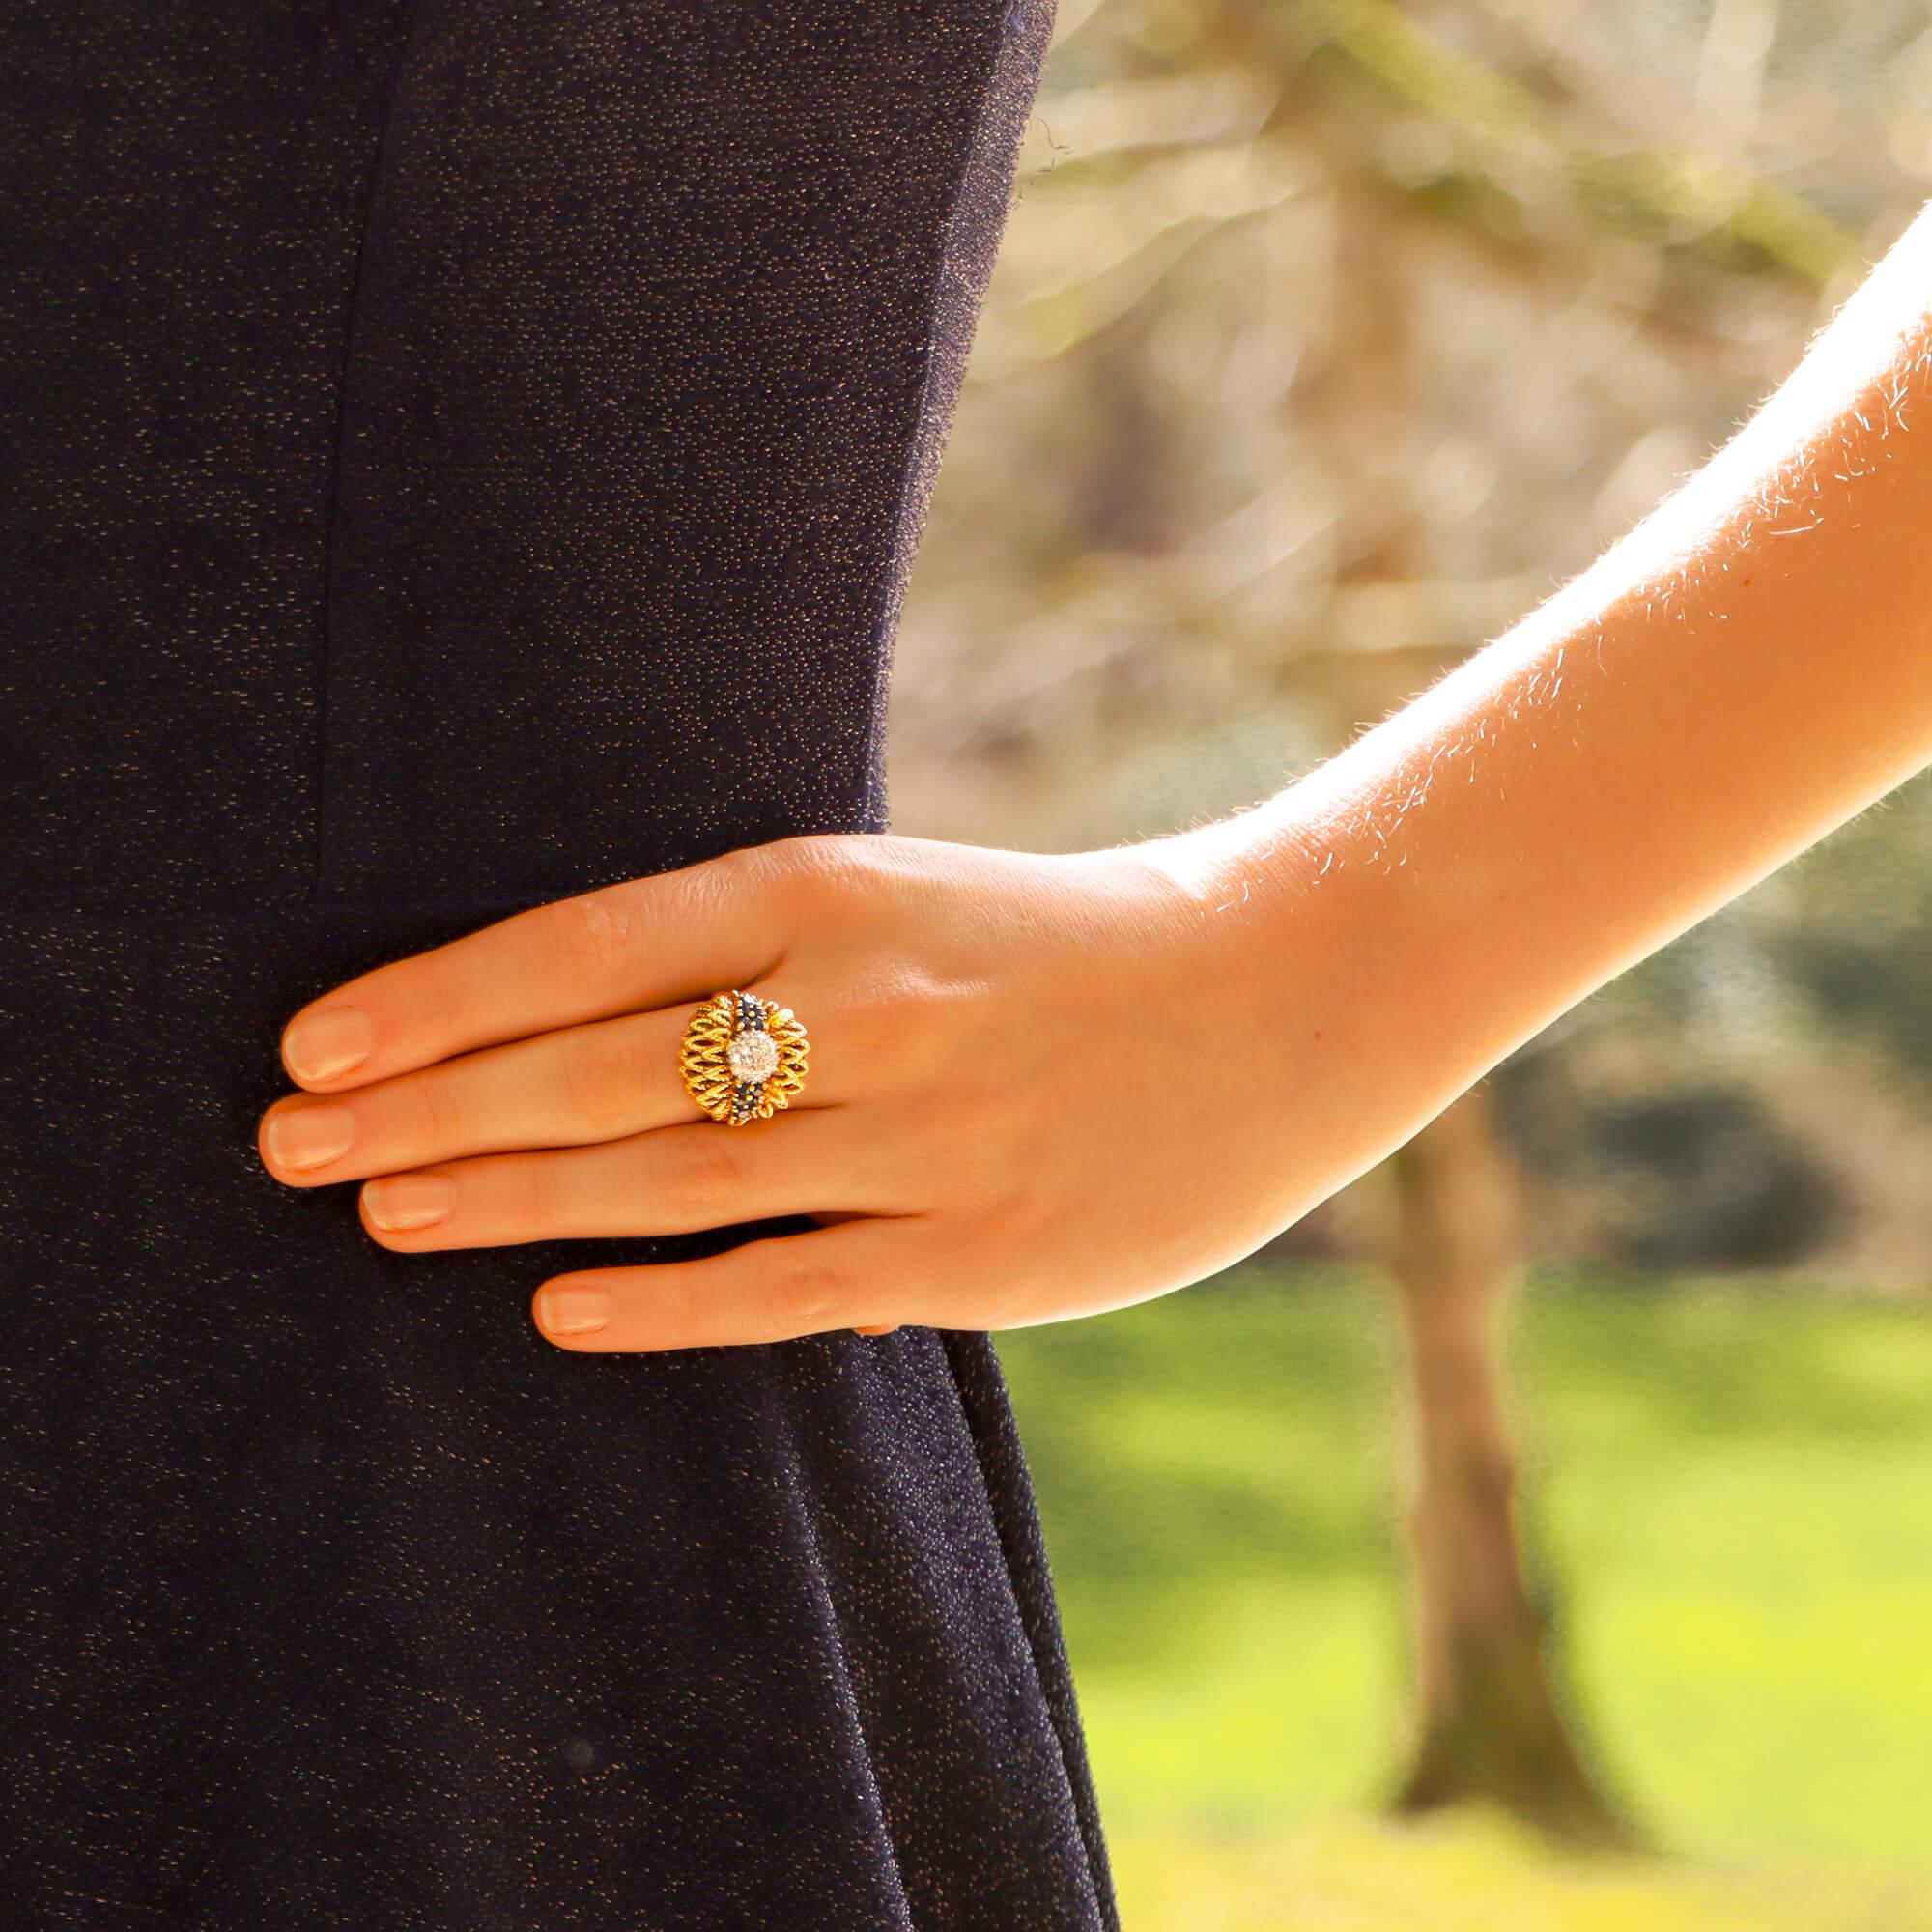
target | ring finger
[{"x": 593, "y": 1082}]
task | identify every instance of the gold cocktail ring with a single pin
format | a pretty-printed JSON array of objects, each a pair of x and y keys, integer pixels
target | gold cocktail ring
[{"x": 743, "y": 1058}]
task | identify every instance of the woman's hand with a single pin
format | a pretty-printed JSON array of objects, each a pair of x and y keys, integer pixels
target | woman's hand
[
  {"x": 1044, "y": 1086},
  {"x": 1031, "y": 1093}
]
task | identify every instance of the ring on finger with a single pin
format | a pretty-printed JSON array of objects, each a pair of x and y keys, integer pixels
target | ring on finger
[{"x": 742, "y": 1057}]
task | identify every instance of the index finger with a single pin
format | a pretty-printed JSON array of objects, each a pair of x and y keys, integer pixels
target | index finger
[{"x": 644, "y": 941}]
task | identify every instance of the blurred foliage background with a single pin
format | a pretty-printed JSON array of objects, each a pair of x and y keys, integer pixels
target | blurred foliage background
[{"x": 1329, "y": 338}]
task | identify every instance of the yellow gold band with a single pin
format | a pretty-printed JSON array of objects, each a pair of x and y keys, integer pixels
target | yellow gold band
[{"x": 743, "y": 1057}]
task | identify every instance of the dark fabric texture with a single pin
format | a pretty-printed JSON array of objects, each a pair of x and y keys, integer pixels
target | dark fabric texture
[{"x": 460, "y": 453}]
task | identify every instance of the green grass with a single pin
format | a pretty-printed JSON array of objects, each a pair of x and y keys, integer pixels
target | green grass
[{"x": 1729, "y": 1487}]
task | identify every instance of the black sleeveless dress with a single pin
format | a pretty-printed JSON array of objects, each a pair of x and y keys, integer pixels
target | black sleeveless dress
[{"x": 458, "y": 454}]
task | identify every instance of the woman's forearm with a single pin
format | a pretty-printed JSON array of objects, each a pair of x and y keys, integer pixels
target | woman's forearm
[{"x": 1746, "y": 670}]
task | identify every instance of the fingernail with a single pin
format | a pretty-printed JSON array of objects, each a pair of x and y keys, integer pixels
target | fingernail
[
  {"x": 409, "y": 1200},
  {"x": 327, "y": 1042},
  {"x": 303, "y": 1137},
  {"x": 573, "y": 1310}
]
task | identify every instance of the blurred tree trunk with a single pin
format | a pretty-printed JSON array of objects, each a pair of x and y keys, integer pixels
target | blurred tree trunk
[{"x": 1488, "y": 1723}]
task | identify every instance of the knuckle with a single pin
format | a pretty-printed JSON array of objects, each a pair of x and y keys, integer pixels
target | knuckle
[
  {"x": 808, "y": 1295},
  {"x": 599, "y": 1078},
  {"x": 435, "y": 1129},
  {"x": 814, "y": 865},
  {"x": 709, "y": 1178},
  {"x": 539, "y": 1203},
  {"x": 437, "y": 1000},
  {"x": 592, "y": 934},
  {"x": 683, "y": 1300}
]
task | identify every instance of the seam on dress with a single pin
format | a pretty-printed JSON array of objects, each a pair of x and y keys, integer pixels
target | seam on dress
[{"x": 372, "y": 189}]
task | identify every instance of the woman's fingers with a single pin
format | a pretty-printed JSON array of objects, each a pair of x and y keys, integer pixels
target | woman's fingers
[
  {"x": 593, "y": 1082},
  {"x": 644, "y": 941},
  {"x": 864, "y": 1271},
  {"x": 674, "y": 1180}
]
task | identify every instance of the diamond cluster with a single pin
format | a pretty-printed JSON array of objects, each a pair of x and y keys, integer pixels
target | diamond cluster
[{"x": 752, "y": 1055}]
